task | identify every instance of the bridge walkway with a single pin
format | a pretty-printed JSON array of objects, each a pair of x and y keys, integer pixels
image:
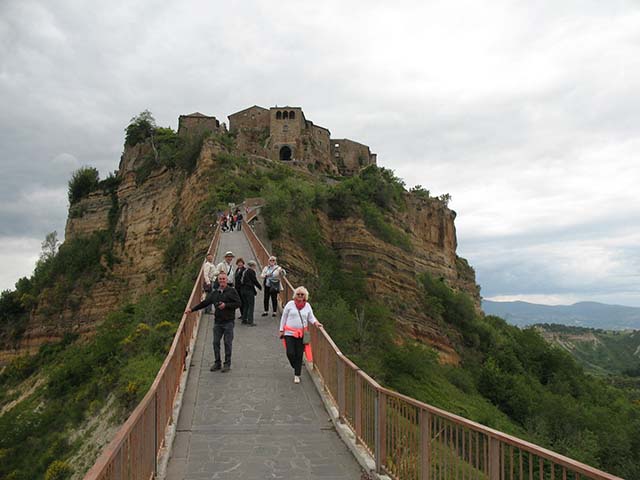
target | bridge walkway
[{"x": 253, "y": 422}]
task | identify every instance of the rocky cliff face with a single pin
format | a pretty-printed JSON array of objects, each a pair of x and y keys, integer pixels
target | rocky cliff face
[
  {"x": 391, "y": 271},
  {"x": 142, "y": 217}
]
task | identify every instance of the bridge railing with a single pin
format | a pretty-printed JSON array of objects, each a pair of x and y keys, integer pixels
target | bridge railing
[
  {"x": 411, "y": 440},
  {"x": 133, "y": 452}
]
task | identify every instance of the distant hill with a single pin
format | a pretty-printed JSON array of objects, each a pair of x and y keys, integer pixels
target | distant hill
[
  {"x": 582, "y": 314},
  {"x": 599, "y": 351}
]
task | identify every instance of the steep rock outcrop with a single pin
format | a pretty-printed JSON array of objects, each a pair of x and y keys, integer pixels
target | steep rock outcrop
[
  {"x": 142, "y": 217},
  {"x": 391, "y": 271},
  {"x": 146, "y": 215}
]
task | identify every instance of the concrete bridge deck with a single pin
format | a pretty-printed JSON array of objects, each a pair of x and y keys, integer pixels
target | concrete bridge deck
[{"x": 253, "y": 422}]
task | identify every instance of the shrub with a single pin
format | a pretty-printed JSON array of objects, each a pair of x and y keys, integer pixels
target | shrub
[
  {"x": 384, "y": 229},
  {"x": 58, "y": 470},
  {"x": 140, "y": 127},
  {"x": 176, "y": 250},
  {"x": 83, "y": 181}
]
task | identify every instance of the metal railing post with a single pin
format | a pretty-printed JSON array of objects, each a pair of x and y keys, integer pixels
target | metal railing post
[
  {"x": 494, "y": 459},
  {"x": 358, "y": 412},
  {"x": 155, "y": 435},
  {"x": 341, "y": 389},
  {"x": 380, "y": 429},
  {"x": 425, "y": 444}
]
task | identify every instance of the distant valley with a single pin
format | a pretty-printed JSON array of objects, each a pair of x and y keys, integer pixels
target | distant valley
[
  {"x": 582, "y": 314},
  {"x": 604, "y": 339},
  {"x": 603, "y": 352}
]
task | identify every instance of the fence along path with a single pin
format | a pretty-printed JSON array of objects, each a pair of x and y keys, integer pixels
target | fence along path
[
  {"x": 133, "y": 452},
  {"x": 253, "y": 422},
  {"x": 408, "y": 439}
]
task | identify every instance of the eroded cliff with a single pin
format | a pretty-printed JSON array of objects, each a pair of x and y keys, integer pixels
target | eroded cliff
[{"x": 144, "y": 214}]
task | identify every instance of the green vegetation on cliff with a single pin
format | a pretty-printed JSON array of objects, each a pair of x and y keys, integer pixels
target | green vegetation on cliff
[
  {"x": 74, "y": 379},
  {"x": 602, "y": 352},
  {"x": 509, "y": 379}
]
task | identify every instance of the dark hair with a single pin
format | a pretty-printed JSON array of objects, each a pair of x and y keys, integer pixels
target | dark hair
[{"x": 240, "y": 259}]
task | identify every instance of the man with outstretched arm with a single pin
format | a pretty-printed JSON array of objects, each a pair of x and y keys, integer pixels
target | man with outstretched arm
[{"x": 225, "y": 299}]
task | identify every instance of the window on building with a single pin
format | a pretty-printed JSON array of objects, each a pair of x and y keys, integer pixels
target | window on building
[
  {"x": 278, "y": 115},
  {"x": 285, "y": 115},
  {"x": 292, "y": 114},
  {"x": 337, "y": 145},
  {"x": 285, "y": 128}
]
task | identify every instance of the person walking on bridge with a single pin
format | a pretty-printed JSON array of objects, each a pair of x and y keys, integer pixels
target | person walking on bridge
[
  {"x": 294, "y": 330},
  {"x": 248, "y": 284},
  {"x": 225, "y": 300},
  {"x": 226, "y": 266},
  {"x": 209, "y": 276},
  {"x": 273, "y": 275}
]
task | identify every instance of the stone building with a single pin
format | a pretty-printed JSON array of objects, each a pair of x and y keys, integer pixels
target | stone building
[
  {"x": 196, "y": 123},
  {"x": 350, "y": 156},
  {"x": 284, "y": 133}
]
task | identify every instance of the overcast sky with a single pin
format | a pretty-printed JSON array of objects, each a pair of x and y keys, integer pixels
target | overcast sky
[{"x": 525, "y": 112}]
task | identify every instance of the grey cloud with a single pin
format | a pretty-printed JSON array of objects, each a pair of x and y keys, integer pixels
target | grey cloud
[{"x": 508, "y": 109}]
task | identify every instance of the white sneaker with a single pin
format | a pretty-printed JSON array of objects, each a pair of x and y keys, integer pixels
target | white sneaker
[{"x": 296, "y": 379}]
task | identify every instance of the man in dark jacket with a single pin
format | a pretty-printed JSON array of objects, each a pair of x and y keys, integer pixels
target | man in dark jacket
[
  {"x": 248, "y": 284},
  {"x": 226, "y": 300}
]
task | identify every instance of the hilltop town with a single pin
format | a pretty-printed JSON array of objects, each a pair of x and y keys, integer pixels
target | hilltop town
[{"x": 285, "y": 134}]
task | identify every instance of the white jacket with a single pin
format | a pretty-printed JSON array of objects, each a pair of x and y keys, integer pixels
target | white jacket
[
  {"x": 291, "y": 318},
  {"x": 273, "y": 272},
  {"x": 209, "y": 272},
  {"x": 230, "y": 270}
]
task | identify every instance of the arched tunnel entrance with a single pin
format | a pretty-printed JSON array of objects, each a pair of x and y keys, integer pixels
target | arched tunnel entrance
[{"x": 285, "y": 153}]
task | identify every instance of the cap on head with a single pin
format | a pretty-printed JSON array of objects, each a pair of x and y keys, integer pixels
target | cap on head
[
  {"x": 252, "y": 263},
  {"x": 229, "y": 254}
]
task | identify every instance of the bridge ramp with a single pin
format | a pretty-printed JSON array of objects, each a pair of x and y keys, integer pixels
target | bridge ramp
[{"x": 253, "y": 422}]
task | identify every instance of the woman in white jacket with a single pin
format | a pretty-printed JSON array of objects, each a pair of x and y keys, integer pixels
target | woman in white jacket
[
  {"x": 296, "y": 317},
  {"x": 273, "y": 275}
]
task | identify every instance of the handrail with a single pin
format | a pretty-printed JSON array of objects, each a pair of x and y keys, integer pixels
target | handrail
[
  {"x": 133, "y": 452},
  {"x": 409, "y": 439}
]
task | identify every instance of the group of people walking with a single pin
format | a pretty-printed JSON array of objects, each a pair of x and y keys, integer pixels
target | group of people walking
[
  {"x": 231, "y": 221},
  {"x": 230, "y": 286}
]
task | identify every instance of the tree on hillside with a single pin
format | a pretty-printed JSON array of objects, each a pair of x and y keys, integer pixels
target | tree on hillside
[
  {"x": 141, "y": 127},
  {"x": 50, "y": 246},
  {"x": 83, "y": 182}
]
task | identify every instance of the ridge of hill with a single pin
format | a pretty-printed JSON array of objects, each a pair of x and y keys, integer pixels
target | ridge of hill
[{"x": 581, "y": 314}]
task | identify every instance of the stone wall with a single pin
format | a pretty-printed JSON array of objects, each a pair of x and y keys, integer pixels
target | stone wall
[
  {"x": 251, "y": 128},
  {"x": 286, "y": 132},
  {"x": 283, "y": 133},
  {"x": 349, "y": 156},
  {"x": 197, "y": 124}
]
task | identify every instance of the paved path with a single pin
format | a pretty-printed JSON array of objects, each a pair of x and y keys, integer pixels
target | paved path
[{"x": 253, "y": 422}]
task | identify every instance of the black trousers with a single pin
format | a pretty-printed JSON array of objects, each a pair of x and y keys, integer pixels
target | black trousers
[
  {"x": 220, "y": 331},
  {"x": 295, "y": 349},
  {"x": 270, "y": 293},
  {"x": 248, "y": 296}
]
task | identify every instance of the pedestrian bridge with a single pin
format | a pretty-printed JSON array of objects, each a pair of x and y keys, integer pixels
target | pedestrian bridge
[{"x": 255, "y": 423}]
